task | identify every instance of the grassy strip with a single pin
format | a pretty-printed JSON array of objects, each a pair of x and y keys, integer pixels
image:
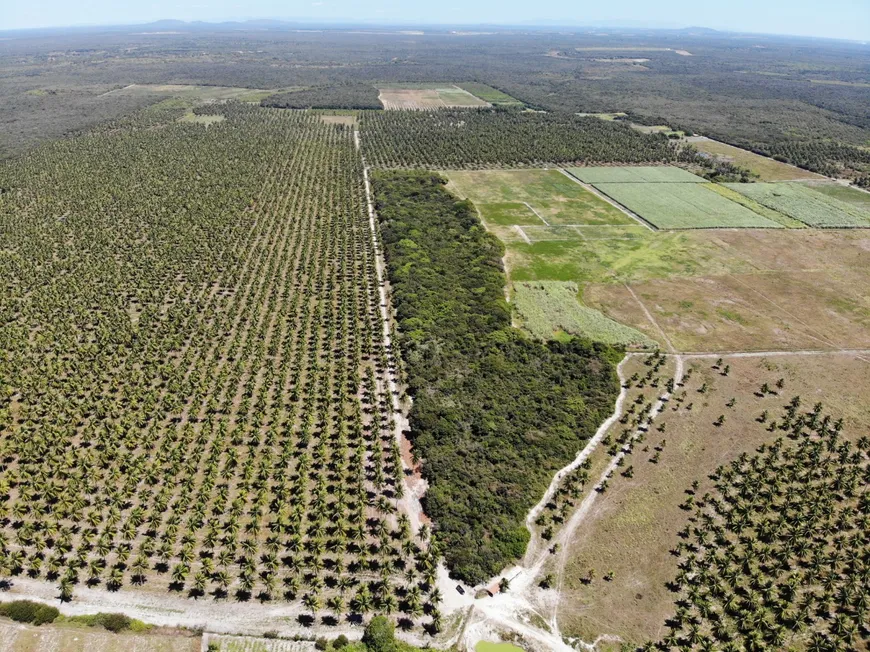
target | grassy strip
[
  {"x": 37, "y": 613},
  {"x": 548, "y": 308},
  {"x": 495, "y": 413}
]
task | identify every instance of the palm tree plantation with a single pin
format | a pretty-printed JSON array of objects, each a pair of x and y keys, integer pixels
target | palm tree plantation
[{"x": 335, "y": 337}]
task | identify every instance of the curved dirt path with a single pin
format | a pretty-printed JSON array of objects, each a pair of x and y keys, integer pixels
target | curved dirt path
[
  {"x": 583, "y": 511},
  {"x": 582, "y": 456}
]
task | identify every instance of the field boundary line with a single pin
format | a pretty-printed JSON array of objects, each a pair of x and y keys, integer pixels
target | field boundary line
[
  {"x": 652, "y": 320},
  {"x": 540, "y": 217},
  {"x": 522, "y": 233},
  {"x": 612, "y": 202},
  {"x": 760, "y": 354}
]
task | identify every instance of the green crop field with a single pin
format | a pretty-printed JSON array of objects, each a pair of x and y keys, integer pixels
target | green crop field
[
  {"x": 549, "y": 196},
  {"x": 550, "y": 309},
  {"x": 756, "y": 207},
  {"x": 848, "y": 194},
  {"x": 635, "y": 174},
  {"x": 490, "y": 94},
  {"x": 684, "y": 206},
  {"x": 509, "y": 213},
  {"x": 805, "y": 203}
]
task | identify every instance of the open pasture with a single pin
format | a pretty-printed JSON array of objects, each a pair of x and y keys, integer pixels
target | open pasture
[
  {"x": 490, "y": 94},
  {"x": 807, "y": 204},
  {"x": 766, "y": 168},
  {"x": 684, "y": 206},
  {"x": 635, "y": 174},
  {"x": 722, "y": 290},
  {"x": 548, "y": 195},
  {"x": 418, "y": 97},
  {"x": 783, "y": 290}
]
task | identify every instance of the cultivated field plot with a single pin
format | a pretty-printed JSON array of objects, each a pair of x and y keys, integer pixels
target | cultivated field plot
[
  {"x": 194, "y": 375},
  {"x": 854, "y": 196},
  {"x": 548, "y": 196},
  {"x": 635, "y": 174},
  {"x": 540, "y": 233},
  {"x": 684, "y": 206},
  {"x": 198, "y": 93},
  {"x": 63, "y": 638},
  {"x": 551, "y": 309},
  {"x": 644, "y": 504},
  {"x": 767, "y": 169},
  {"x": 417, "y": 97},
  {"x": 490, "y": 94},
  {"x": 805, "y": 203}
]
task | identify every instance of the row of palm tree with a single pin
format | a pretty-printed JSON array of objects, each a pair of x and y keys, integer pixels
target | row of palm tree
[{"x": 194, "y": 379}]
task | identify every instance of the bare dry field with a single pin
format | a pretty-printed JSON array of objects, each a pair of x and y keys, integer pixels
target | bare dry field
[
  {"x": 798, "y": 290},
  {"x": 633, "y": 525},
  {"x": 441, "y": 97},
  {"x": 15, "y": 637}
]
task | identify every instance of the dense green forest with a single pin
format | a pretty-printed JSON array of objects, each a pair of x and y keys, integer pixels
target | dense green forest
[
  {"x": 485, "y": 137},
  {"x": 494, "y": 413},
  {"x": 340, "y": 96}
]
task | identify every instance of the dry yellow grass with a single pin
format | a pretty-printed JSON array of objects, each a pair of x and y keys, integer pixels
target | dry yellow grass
[
  {"x": 67, "y": 638},
  {"x": 766, "y": 168}
]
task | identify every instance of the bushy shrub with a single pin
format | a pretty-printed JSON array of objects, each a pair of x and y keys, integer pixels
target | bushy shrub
[
  {"x": 114, "y": 622},
  {"x": 380, "y": 635},
  {"x": 27, "y": 611}
]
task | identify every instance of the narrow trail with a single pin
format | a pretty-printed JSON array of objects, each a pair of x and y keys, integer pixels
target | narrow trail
[
  {"x": 651, "y": 319},
  {"x": 522, "y": 233},
  {"x": 410, "y": 501},
  {"x": 582, "y": 512},
  {"x": 540, "y": 217}
]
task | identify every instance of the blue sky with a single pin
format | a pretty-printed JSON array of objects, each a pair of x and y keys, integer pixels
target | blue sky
[{"x": 831, "y": 18}]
